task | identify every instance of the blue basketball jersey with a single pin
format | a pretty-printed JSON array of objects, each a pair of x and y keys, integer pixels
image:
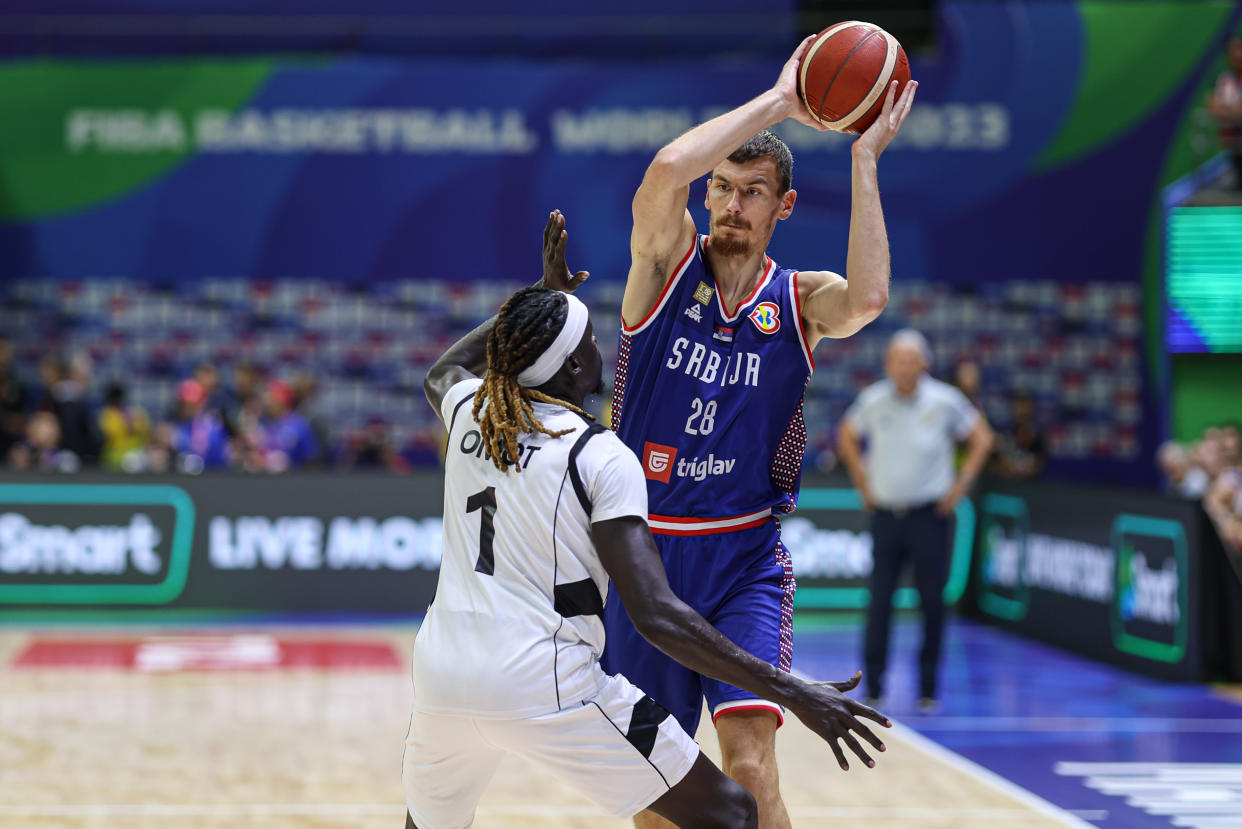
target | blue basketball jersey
[{"x": 711, "y": 401}]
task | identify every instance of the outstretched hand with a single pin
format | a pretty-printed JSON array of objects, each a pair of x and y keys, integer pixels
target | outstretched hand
[
  {"x": 832, "y": 715},
  {"x": 556, "y": 274},
  {"x": 884, "y": 129}
]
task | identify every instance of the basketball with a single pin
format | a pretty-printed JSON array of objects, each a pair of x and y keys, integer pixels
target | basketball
[{"x": 844, "y": 75}]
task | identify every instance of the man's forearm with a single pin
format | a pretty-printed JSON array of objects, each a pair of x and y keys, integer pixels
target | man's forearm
[
  {"x": 470, "y": 352},
  {"x": 855, "y": 469},
  {"x": 696, "y": 152},
  {"x": 681, "y": 633},
  {"x": 851, "y": 455},
  {"x": 976, "y": 456},
  {"x": 867, "y": 266}
]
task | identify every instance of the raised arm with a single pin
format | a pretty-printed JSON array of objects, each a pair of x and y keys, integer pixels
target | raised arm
[
  {"x": 629, "y": 554},
  {"x": 663, "y": 228},
  {"x": 467, "y": 357},
  {"x": 836, "y": 307}
]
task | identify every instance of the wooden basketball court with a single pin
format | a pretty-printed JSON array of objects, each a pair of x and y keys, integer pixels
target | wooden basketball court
[{"x": 314, "y": 747}]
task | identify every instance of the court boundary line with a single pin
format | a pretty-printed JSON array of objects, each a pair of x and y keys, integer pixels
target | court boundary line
[
  {"x": 1096, "y": 725},
  {"x": 984, "y": 775},
  {"x": 930, "y": 748}
]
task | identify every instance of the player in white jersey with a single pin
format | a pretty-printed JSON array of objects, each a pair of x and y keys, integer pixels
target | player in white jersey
[{"x": 541, "y": 507}]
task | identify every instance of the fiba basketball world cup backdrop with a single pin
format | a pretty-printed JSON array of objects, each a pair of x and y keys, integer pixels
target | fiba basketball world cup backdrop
[{"x": 1012, "y": 170}]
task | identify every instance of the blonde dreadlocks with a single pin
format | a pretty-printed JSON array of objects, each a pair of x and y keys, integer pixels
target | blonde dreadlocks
[{"x": 525, "y": 327}]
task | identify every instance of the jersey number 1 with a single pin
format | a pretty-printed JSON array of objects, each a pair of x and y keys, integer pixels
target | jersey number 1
[{"x": 485, "y": 501}]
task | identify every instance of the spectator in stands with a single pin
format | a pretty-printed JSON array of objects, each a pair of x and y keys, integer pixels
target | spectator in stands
[
  {"x": 969, "y": 381},
  {"x": 305, "y": 390},
  {"x": 160, "y": 452},
  {"x": 126, "y": 431},
  {"x": 40, "y": 448},
  {"x": 371, "y": 448},
  {"x": 12, "y": 402},
  {"x": 199, "y": 438},
  {"x": 217, "y": 399},
  {"x": 244, "y": 403},
  {"x": 1225, "y": 105},
  {"x": 1184, "y": 478},
  {"x": 1223, "y": 504},
  {"x": 65, "y": 387},
  {"x": 425, "y": 447},
  {"x": 1211, "y": 469},
  {"x": 289, "y": 440},
  {"x": 1020, "y": 451},
  {"x": 1231, "y": 444},
  {"x": 1208, "y": 453}
]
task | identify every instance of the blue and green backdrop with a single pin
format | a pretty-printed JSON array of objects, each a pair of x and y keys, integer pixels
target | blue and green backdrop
[{"x": 1044, "y": 136}]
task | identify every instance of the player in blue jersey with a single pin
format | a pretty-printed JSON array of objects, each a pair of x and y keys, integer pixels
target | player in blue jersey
[{"x": 715, "y": 353}]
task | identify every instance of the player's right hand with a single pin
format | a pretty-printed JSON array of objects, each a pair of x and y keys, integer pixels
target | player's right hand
[
  {"x": 556, "y": 274},
  {"x": 787, "y": 88},
  {"x": 826, "y": 710}
]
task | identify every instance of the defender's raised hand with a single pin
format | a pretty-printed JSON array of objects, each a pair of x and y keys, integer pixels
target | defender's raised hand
[
  {"x": 556, "y": 274},
  {"x": 879, "y": 134},
  {"x": 832, "y": 715}
]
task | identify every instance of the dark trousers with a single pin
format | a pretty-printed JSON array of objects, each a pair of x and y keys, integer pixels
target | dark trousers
[{"x": 918, "y": 534}]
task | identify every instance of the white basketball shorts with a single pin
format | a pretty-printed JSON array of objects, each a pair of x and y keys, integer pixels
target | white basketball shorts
[{"x": 619, "y": 749}]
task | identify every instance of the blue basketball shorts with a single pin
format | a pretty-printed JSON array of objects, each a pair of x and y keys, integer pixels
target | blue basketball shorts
[{"x": 742, "y": 582}]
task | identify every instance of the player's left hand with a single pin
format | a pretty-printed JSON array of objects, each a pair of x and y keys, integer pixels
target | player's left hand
[
  {"x": 872, "y": 142},
  {"x": 556, "y": 274},
  {"x": 833, "y": 716}
]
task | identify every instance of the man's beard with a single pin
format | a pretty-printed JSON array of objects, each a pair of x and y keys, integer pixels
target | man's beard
[
  {"x": 733, "y": 245},
  {"x": 730, "y": 247}
]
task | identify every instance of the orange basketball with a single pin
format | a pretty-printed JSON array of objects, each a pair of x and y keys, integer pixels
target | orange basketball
[{"x": 844, "y": 76}]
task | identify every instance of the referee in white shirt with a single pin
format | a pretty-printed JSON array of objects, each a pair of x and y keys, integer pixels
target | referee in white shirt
[{"x": 911, "y": 423}]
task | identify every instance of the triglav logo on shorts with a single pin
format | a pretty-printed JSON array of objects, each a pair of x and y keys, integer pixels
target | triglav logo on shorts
[
  {"x": 658, "y": 461},
  {"x": 766, "y": 317}
]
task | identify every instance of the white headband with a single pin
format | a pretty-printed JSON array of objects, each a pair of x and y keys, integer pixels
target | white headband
[{"x": 553, "y": 357}]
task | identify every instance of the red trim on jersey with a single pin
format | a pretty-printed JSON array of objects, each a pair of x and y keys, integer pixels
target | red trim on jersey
[
  {"x": 768, "y": 270},
  {"x": 797, "y": 298},
  {"x": 668, "y": 286},
  {"x": 695, "y": 519},
  {"x": 682, "y": 525},
  {"x": 780, "y": 716}
]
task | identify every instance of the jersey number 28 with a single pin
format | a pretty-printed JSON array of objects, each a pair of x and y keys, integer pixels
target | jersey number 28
[{"x": 704, "y": 414}]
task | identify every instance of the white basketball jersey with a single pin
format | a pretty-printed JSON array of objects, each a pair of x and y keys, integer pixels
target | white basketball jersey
[{"x": 516, "y": 627}]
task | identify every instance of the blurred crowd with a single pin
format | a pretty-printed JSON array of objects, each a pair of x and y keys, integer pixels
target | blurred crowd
[
  {"x": 253, "y": 423},
  {"x": 1210, "y": 469},
  {"x": 1019, "y": 451}
]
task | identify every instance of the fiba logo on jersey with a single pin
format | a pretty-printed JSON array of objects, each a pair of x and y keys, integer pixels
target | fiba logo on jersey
[
  {"x": 766, "y": 317},
  {"x": 658, "y": 461}
]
